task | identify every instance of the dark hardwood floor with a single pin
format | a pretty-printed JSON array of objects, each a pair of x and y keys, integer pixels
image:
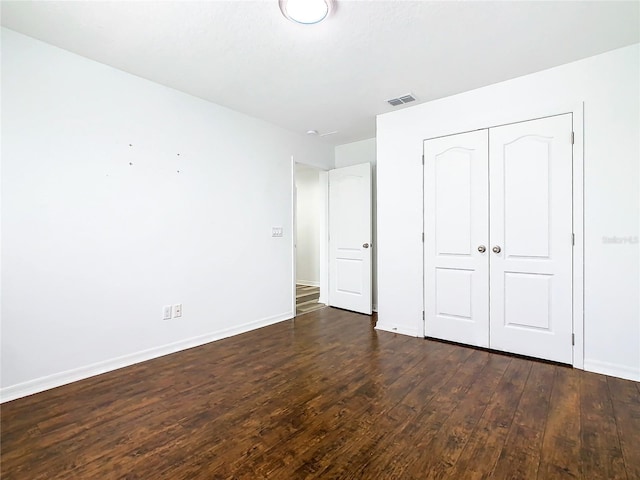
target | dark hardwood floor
[{"x": 328, "y": 397}]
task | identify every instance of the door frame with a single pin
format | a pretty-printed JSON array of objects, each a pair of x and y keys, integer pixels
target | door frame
[
  {"x": 577, "y": 111},
  {"x": 293, "y": 226}
]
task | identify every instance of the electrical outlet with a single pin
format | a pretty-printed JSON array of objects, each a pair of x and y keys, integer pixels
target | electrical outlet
[
  {"x": 276, "y": 231},
  {"x": 177, "y": 310},
  {"x": 166, "y": 312}
]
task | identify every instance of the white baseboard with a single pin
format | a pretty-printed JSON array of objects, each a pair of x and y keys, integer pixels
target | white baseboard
[
  {"x": 612, "y": 369},
  {"x": 41, "y": 384},
  {"x": 307, "y": 283},
  {"x": 402, "y": 330}
]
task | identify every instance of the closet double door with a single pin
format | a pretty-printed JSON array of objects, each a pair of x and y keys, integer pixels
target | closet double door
[{"x": 498, "y": 238}]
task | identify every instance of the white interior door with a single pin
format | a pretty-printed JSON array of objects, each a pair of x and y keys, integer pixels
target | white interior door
[
  {"x": 456, "y": 232},
  {"x": 531, "y": 238},
  {"x": 350, "y": 238}
]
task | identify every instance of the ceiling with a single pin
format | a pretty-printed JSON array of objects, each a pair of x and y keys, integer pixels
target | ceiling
[{"x": 335, "y": 75}]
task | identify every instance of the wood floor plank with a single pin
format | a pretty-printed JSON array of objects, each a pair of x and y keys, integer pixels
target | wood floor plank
[
  {"x": 624, "y": 391},
  {"x": 445, "y": 448},
  {"x": 625, "y": 398},
  {"x": 327, "y": 397},
  {"x": 407, "y": 422},
  {"x": 520, "y": 455},
  {"x": 561, "y": 446},
  {"x": 379, "y": 424},
  {"x": 601, "y": 451},
  {"x": 428, "y": 409},
  {"x": 361, "y": 401},
  {"x": 483, "y": 448}
]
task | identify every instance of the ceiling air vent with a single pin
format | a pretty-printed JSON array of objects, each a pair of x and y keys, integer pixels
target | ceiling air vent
[{"x": 401, "y": 100}]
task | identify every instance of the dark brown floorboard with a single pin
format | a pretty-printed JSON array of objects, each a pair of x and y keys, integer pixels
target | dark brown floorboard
[{"x": 328, "y": 397}]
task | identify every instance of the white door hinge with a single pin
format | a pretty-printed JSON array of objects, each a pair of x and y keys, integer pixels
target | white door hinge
[
  {"x": 573, "y": 138},
  {"x": 422, "y": 237},
  {"x": 573, "y": 239},
  {"x": 423, "y": 159},
  {"x": 422, "y": 315},
  {"x": 573, "y": 339}
]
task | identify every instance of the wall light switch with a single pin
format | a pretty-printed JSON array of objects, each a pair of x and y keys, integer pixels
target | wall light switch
[
  {"x": 276, "y": 231},
  {"x": 166, "y": 312},
  {"x": 177, "y": 310}
]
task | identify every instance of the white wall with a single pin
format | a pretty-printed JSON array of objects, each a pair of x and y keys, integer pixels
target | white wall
[
  {"x": 98, "y": 235},
  {"x": 308, "y": 218},
  {"x": 355, "y": 153},
  {"x": 609, "y": 86}
]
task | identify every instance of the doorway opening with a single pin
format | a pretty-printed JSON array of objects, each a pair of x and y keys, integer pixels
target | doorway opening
[{"x": 310, "y": 238}]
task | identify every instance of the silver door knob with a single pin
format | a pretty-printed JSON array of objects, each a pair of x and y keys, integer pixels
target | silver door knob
[
  {"x": 482, "y": 249},
  {"x": 496, "y": 249},
  {"x": 365, "y": 245}
]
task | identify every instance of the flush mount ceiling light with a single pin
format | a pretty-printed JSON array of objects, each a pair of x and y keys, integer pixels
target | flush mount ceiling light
[{"x": 306, "y": 12}]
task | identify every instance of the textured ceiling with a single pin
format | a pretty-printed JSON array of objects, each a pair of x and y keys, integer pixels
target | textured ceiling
[{"x": 335, "y": 75}]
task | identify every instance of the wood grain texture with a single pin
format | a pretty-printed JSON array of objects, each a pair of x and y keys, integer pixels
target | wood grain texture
[
  {"x": 601, "y": 449},
  {"x": 328, "y": 397}
]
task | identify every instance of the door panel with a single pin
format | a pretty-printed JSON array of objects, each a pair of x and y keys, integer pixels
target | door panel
[
  {"x": 453, "y": 177},
  {"x": 349, "y": 231},
  {"x": 526, "y": 186},
  {"x": 530, "y": 221},
  {"x": 448, "y": 281},
  {"x": 456, "y": 212}
]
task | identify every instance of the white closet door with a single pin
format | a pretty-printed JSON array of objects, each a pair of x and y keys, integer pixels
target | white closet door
[
  {"x": 350, "y": 238},
  {"x": 531, "y": 238},
  {"x": 456, "y": 214}
]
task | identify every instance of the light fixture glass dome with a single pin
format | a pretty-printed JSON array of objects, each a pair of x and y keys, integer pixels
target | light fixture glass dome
[{"x": 306, "y": 11}]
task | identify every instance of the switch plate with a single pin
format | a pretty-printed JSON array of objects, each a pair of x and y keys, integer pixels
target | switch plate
[
  {"x": 177, "y": 310},
  {"x": 166, "y": 312},
  {"x": 276, "y": 231}
]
